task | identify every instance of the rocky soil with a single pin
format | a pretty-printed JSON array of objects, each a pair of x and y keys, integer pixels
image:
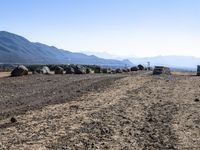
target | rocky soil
[{"x": 135, "y": 111}]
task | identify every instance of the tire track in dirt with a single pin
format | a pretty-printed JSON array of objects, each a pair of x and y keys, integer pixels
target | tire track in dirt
[
  {"x": 171, "y": 120},
  {"x": 187, "y": 120},
  {"x": 157, "y": 132},
  {"x": 156, "y": 126}
]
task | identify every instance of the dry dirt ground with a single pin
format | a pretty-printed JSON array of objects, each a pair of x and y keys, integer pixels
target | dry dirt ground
[
  {"x": 4, "y": 74},
  {"x": 128, "y": 111}
]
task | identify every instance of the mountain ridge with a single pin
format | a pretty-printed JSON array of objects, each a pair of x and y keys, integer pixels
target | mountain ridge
[
  {"x": 174, "y": 61},
  {"x": 17, "y": 49}
]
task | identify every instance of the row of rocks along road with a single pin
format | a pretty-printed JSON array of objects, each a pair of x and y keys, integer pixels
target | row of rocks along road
[{"x": 140, "y": 112}]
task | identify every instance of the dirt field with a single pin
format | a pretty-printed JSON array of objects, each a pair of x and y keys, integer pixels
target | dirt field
[
  {"x": 4, "y": 74},
  {"x": 135, "y": 111}
]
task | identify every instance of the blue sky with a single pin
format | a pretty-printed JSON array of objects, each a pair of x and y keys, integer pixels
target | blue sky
[{"x": 124, "y": 28}]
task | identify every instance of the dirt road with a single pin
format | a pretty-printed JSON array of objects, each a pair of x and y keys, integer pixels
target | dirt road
[{"x": 139, "y": 112}]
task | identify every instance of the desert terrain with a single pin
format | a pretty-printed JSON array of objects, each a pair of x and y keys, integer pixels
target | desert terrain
[{"x": 136, "y": 111}]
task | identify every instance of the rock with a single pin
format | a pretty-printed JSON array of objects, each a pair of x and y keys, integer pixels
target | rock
[
  {"x": 113, "y": 71},
  {"x": 118, "y": 70},
  {"x": 59, "y": 70},
  {"x": 69, "y": 70},
  {"x": 13, "y": 120},
  {"x": 19, "y": 71},
  {"x": 134, "y": 68},
  {"x": 43, "y": 70},
  {"x": 97, "y": 69},
  {"x": 140, "y": 67},
  {"x": 125, "y": 70},
  {"x": 79, "y": 70},
  {"x": 46, "y": 70},
  {"x": 88, "y": 70},
  {"x": 104, "y": 70},
  {"x": 196, "y": 100}
]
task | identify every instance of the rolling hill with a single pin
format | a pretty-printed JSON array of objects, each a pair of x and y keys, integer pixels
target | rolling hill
[{"x": 15, "y": 49}]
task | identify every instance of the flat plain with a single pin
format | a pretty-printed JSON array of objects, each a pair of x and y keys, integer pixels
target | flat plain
[{"x": 136, "y": 111}]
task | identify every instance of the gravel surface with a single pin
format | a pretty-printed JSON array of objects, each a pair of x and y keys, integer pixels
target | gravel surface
[
  {"x": 130, "y": 111},
  {"x": 20, "y": 94}
]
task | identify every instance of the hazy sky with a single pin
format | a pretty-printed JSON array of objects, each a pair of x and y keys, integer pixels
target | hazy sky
[{"x": 120, "y": 27}]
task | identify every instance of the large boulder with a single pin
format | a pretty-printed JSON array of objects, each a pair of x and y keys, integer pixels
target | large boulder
[
  {"x": 69, "y": 70},
  {"x": 59, "y": 70},
  {"x": 19, "y": 71},
  {"x": 97, "y": 69},
  {"x": 104, "y": 70},
  {"x": 140, "y": 67},
  {"x": 43, "y": 70},
  {"x": 125, "y": 70},
  {"x": 79, "y": 70},
  {"x": 118, "y": 70},
  {"x": 134, "y": 68},
  {"x": 88, "y": 70},
  {"x": 113, "y": 71}
]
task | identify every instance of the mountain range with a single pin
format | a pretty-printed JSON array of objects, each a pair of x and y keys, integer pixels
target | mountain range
[
  {"x": 176, "y": 62},
  {"x": 15, "y": 49},
  {"x": 172, "y": 61}
]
